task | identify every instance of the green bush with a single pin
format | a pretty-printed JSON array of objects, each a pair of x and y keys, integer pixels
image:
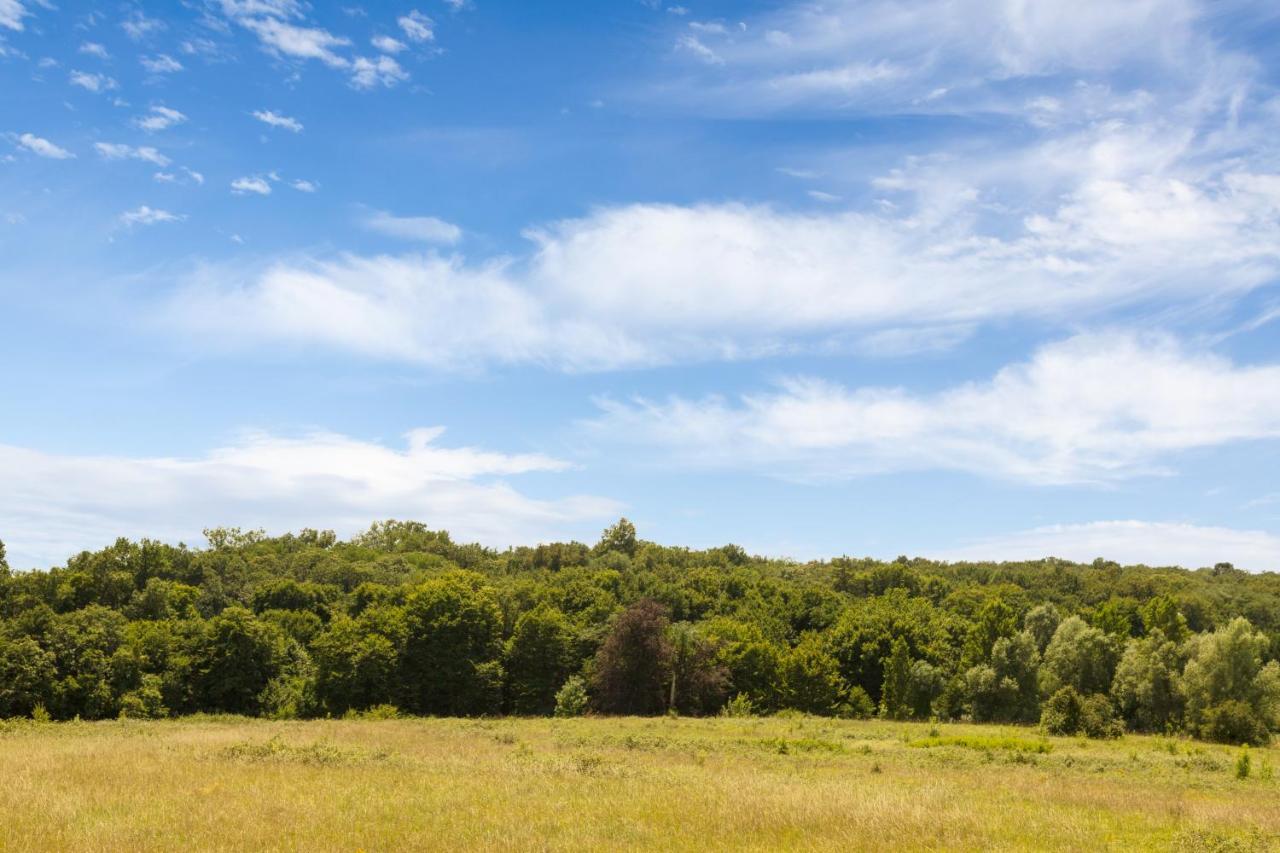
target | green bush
[
  {"x": 1098, "y": 718},
  {"x": 571, "y": 699},
  {"x": 1234, "y": 721},
  {"x": 1069, "y": 713},
  {"x": 1243, "y": 764},
  {"x": 858, "y": 704},
  {"x": 1061, "y": 714},
  {"x": 146, "y": 702},
  {"x": 739, "y": 706}
]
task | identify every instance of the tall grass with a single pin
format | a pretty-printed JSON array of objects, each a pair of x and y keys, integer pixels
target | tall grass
[{"x": 741, "y": 783}]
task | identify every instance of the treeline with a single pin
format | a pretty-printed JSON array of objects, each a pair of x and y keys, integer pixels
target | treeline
[{"x": 403, "y": 619}]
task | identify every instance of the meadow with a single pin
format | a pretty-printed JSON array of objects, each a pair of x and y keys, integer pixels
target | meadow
[{"x": 783, "y": 782}]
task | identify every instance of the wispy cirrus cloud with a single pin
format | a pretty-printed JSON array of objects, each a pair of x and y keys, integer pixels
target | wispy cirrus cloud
[
  {"x": 146, "y": 215},
  {"x": 93, "y": 82},
  {"x": 161, "y": 64},
  {"x": 275, "y": 119},
  {"x": 427, "y": 229},
  {"x": 120, "y": 151},
  {"x": 932, "y": 55},
  {"x": 160, "y": 118}
]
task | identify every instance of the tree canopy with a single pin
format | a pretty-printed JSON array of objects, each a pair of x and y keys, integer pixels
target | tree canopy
[{"x": 306, "y": 624}]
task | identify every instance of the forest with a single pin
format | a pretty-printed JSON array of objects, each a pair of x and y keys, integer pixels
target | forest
[{"x": 402, "y": 620}]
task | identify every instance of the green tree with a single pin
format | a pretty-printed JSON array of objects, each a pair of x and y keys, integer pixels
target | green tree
[
  {"x": 236, "y": 658},
  {"x": 26, "y": 676},
  {"x": 1078, "y": 656},
  {"x": 538, "y": 659},
  {"x": 449, "y": 661},
  {"x": 812, "y": 679},
  {"x": 620, "y": 537},
  {"x": 355, "y": 667},
  {"x": 925, "y": 686},
  {"x": 1016, "y": 664},
  {"x": 995, "y": 620},
  {"x": 1147, "y": 688},
  {"x": 1041, "y": 621},
  {"x": 699, "y": 684},
  {"x": 1227, "y": 666},
  {"x": 895, "y": 699},
  {"x": 1162, "y": 614}
]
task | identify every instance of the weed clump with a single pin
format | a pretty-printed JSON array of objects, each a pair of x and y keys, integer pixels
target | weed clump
[{"x": 319, "y": 753}]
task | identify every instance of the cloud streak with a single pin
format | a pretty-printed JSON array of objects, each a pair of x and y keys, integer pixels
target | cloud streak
[
  {"x": 54, "y": 505},
  {"x": 1131, "y": 542},
  {"x": 1093, "y": 408}
]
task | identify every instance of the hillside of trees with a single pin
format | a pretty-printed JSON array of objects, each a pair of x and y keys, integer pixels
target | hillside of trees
[{"x": 402, "y": 619}]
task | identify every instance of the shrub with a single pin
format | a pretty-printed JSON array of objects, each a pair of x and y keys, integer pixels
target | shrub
[
  {"x": 1061, "y": 714},
  {"x": 739, "y": 706},
  {"x": 858, "y": 704},
  {"x": 1234, "y": 721},
  {"x": 1243, "y": 764},
  {"x": 146, "y": 702},
  {"x": 1098, "y": 719},
  {"x": 1069, "y": 713},
  {"x": 571, "y": 698}
]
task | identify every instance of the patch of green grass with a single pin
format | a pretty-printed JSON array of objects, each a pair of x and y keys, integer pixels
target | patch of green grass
[{"x": 984, "y": 743}]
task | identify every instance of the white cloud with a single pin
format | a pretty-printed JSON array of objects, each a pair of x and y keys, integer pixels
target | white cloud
[
  {"x": 693, "y": 45},
  {"x": 427, "y": 229},
  {"x": 54, "y": 505},
  {"x": 1095, "y": 407},
  {"x": 145, "y": 215},
  {"x": 275, "y": 119},
  {"x": 159, "y": 118},
  {"x": 384, "y": 307},
  {"x": 259, "y": 186},
  {"x": 882, "y": 54},
  {"x": 417, "y": 26},
  {"x": 160, "y": 64},
  {"x": 387, "y": 44},
  {"x": 94, "y": 49},
  {"x": 1132, "y": 542},
  {"x": 11, "y": 14},
  {"x": 118, "y": 151},
  {"x": 43, "y": 147},
  {"x": 304, "y": 186},
  {"x": 652, "y": 284},
  {"x": 298, "y": 42},
  {"x": 138, "y": 26},
  {"x": 269, "y": 8},
  {"x": 92, "y": 82},
  {"x": 382, "y": 70}
]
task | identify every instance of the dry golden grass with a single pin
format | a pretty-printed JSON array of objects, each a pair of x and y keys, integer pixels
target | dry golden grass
[{"x": 619, "y": 784}]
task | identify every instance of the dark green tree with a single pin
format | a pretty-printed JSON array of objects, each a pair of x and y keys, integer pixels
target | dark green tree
[
  {"x": 895, "y": 698},
  {"x": 449, "y": 662},
  {"x": 538, "y": 659}
]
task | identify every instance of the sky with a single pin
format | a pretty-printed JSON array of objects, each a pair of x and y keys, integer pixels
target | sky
[{"x": 963, "y": 279}]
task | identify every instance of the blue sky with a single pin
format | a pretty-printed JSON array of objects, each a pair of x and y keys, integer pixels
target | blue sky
[{"x": 951, "y": 277}]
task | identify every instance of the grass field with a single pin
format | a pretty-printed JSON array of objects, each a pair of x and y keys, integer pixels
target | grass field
[{"x": 217, "y": 783}]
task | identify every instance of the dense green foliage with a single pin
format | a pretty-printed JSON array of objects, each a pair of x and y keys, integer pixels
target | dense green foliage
[{"x": 306, "y": 625}]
